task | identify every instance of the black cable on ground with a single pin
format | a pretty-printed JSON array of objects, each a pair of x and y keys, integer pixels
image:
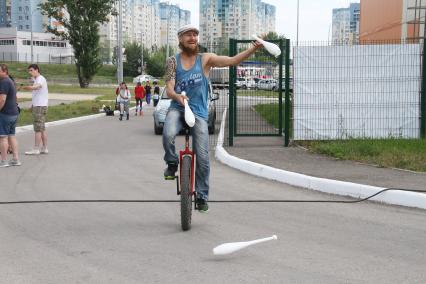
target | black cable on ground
[{"x": 213, "y": 201}]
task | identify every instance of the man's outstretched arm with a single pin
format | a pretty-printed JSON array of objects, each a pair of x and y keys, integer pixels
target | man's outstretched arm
[{"x": 213, "y": 60}]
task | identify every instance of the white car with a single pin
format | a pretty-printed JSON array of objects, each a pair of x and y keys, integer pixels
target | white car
[
  {"x": 267, "y": 84},
  {"x": 144, "y": 78},
  {"x": 245, "y": 83}
]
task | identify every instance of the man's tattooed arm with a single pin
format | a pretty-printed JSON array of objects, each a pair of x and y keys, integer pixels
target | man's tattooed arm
[{"x": 171, "y": 68}]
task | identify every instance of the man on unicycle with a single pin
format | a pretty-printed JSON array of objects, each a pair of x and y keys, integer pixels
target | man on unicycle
[{"x": 189, "y": 71}]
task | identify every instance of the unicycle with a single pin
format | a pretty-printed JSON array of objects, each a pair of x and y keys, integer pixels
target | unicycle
[{"x": 185, "y": 182}]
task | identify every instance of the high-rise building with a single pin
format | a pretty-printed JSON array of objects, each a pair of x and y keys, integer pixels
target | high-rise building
[
  {"x": 26, "y": 16},
  {"x": 172, "y": 17},
  {"x": 221, "y": 20},
  {"x": 3, "y": 14},
  {"x": 392, "y": 20},
  {"x": 146, "y": 22},
  {"x": 345, "y": 24}
]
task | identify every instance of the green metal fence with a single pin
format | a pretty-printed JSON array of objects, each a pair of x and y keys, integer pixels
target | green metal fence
[{"x": 256, "y": 92}]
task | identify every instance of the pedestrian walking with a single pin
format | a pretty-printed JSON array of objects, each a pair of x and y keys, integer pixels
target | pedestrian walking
[
  {"x": 40, "y": 100},
  {"x": 156, "y": 96},
  {"x": 8, "y": 119},
  {"x": 148, "y": 92},
  {"x": 139, "y": 96},
  {"x": 124, "y": 99}
]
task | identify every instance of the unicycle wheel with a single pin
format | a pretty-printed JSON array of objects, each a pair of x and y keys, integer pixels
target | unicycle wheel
[{"x": 185, "y": 193}]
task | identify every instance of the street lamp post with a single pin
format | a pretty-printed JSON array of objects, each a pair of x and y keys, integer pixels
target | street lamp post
[
  {"x": 30, "y": 11},
  {"x": 168, "y": 27},
  {"x": 297, "y": 32},
  {"x": 142, "y": 53},
  {"x": 120, "y": 42}
]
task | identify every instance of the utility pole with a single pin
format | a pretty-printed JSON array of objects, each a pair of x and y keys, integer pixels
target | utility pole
[
  {"x": 297, "y": 32},
  {"x": 142, "y": 53},
  {"x": 120, "y": 42},
  {"x": 30, "y": 14},
  {"x": 168, "y": 27}
]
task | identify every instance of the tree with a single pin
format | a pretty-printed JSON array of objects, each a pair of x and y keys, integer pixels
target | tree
[
  {"x": 133, "y": 57},
  {"x": 80, "y": 20}
]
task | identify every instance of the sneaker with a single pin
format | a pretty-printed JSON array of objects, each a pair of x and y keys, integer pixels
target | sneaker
[
  {"x": 14, "y": 162},
  {"x": 170, "y": 172},
  {"x": 44, "y": 150},
  {"x": 4, "y": 164},
  {"x": 33, "y": 152},
  {"x": 202, "y": 205}
]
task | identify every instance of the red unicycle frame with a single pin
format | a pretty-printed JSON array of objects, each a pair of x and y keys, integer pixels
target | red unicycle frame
[{"x": 186, "y": 182}]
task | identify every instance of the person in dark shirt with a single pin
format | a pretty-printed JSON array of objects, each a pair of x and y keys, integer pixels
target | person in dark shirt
[
  {"x": 148, "y": 92},
  {"x": 156, "y": 96},
  {"x": 8, "y": 118}
]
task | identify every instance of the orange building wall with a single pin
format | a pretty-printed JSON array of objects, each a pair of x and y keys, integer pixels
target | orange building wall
[{"x": 380, "y": 20}]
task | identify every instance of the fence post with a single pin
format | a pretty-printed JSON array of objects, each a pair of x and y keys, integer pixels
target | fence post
[
  {"x": 287, "y": 94},
  {"x": 231, "y": 95},
  {"x": 423, "y": 96},
  {"x": 280, "y": 89}
]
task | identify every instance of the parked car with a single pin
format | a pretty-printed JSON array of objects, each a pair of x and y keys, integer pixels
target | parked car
[
  {"x": 144, "y": 78},
  {"x": 245, "y": 83},
  {"x": 163, "y": 105},
  {"x": 267, "y": 84}
]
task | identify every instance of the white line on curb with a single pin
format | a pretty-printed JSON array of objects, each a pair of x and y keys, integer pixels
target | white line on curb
[{"x": 410, "y": 199}]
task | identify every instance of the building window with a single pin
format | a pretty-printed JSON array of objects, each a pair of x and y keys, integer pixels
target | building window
[
  {"x": 20, "y": 9},
  {"x": 7, "y": 42}
]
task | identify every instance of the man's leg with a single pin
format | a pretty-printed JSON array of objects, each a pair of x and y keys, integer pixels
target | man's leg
[
  {"x": 38, "y": 139},
  {"x": 121, "y": 110},
  {"x": 172, "y": 126},
  {"x": 126, "y": 108},
  {"x": 200, "y": 138},
  {"x": 4, "y": 145},
  {"x": 14, "y": 145},
  {"x": 44, "y": 141}
]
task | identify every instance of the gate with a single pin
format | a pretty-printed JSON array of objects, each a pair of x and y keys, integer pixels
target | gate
[{"x": 256, "y": 92}]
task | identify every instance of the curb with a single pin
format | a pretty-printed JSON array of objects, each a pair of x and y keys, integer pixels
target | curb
[{"x": 409, "y": 199}]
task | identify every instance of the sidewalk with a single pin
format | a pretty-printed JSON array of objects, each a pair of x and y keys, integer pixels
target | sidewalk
[{"x": 270, "y": 151}]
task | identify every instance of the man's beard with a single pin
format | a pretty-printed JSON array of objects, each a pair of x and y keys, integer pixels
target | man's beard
[{"x": 188, "y": 50}]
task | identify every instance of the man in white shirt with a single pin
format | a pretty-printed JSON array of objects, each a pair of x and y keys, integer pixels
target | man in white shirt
[{"x": 39, "y": 109}]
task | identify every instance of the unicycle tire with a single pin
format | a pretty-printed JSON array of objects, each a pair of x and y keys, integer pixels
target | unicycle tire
[{"x": 185, "y": 193}]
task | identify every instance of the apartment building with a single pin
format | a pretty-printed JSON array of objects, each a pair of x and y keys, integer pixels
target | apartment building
[
  {"x": 224, "y": 19},
  {"x": 345, "y": 24},
  {"x": 149, "y": 22}
]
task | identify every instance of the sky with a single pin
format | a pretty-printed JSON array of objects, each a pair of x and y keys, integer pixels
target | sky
[{"x": 314, "y": 16}]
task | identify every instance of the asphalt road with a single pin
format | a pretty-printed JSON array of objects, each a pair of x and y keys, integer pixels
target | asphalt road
[{"x": 143, "y": 243}]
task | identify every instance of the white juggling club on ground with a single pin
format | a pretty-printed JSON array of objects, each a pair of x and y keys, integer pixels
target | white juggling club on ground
[
  {"x": 269, "y": 46},
  {"x": 189, "y": 115},
  {"x": 228, "y": 248}
]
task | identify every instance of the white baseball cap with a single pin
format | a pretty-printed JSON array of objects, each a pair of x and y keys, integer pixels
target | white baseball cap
[{"x": 186, "y": 28}]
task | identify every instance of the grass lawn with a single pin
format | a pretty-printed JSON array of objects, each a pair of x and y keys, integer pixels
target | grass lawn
[
  {"x": 64, "y": 111},
  {"x": 409, "y": 154},
  {"x": 259, "y": 93},
  {"x": 270, "y": 113},
  {"x": 63, "y": 73}
]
